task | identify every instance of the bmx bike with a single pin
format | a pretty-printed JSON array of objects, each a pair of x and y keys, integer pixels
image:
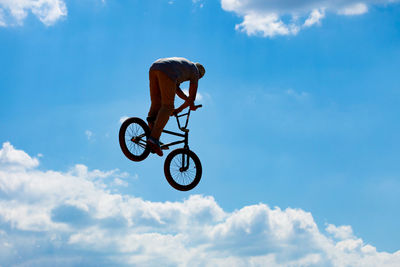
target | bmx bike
[{"x": 182, "y": 167}]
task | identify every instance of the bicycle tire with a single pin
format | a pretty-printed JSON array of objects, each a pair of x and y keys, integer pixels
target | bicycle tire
[
  {"x": 133, "y": 137},
  {"x": 173, "y": 169}
]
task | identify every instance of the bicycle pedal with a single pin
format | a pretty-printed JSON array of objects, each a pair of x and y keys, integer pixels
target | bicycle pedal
[{"x": 164, "y": 147}]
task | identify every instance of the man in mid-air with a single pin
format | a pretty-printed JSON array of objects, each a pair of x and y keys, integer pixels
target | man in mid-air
[{"x": 166, "y": 74}]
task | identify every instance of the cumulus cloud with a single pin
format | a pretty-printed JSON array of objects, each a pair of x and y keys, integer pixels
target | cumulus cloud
[
  {"x": 315, "y": 17},
  {"x": 12, "y": 158},
  {"x": 286, "y": 17},
  {"x": 14, "y": 12},
  {"x": 69, "y": 218}
]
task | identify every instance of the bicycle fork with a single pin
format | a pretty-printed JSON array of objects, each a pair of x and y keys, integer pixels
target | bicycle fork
[{"x": 185, "y": 158}]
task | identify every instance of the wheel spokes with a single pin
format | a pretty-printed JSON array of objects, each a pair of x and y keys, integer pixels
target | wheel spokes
[
  {"x": 135, "y": 139},
  {"x": 183, "y": 169}
]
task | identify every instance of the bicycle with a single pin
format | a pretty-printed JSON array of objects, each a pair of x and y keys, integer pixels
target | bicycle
[{"x": 182, "y": 167}]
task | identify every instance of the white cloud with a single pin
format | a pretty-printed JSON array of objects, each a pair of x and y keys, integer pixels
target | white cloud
[
  {"x": 315, "y": 17},
  {"x": 72, "y": 218},
  {"x": 297, "y": 95},
  {"x": 13, "y": 158},
  {"x": 120, "y": 182},
  {"x": 268, "y": 24},
  {"x": 342, "y": 232},
  {"x": 355, "y": 9},
  {"x": 83, "y": 171},
  {"x": 2, "y": 21},
  {"x": 123, "y": 118},
  {"x": 13, "y": 12},
  {"x": 199, "y": 96},
  {"x": 89, "y": 134},
  {"x": 266, "y": 18}
]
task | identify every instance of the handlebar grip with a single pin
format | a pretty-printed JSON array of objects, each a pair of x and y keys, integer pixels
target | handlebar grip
[{"x": 199, "y": 106}]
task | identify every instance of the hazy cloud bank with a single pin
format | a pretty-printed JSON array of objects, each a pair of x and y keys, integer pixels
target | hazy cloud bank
[
  {"x": 287, "y": 17},
  {"x": 75, "y": 218},
  {"x": 14, "y": 12},
  {"x": 266, "y": 18}
]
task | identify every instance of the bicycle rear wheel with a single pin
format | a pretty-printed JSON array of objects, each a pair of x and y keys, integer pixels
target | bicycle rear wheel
[
  {"x": 183, "y": 170},
  {"x": 132, "y": 139}
]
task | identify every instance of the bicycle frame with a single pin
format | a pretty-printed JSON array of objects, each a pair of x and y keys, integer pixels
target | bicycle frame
[
  {"x": 184, "y": 129},
  {"x": 182, "y": 167}
]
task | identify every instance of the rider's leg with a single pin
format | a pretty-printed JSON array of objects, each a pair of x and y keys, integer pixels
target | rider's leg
[
  {"x": 167, "y": 89},
  {"x": 155, "y": 96}
]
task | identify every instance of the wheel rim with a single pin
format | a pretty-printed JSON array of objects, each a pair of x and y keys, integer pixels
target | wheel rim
[
  {"x": 135, "y": 139},
  {"x": 183, "y": 169}
]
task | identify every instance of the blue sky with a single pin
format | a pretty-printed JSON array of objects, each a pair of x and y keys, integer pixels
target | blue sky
[{"x": 298, "y": 134}]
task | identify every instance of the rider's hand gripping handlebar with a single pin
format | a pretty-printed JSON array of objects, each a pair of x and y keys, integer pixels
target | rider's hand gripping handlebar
[
  {"x": 195, "y": 107},
  {"x": 190, "y": 108}
]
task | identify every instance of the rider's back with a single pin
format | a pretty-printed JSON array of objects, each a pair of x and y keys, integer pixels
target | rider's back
[{"x": 177, "y": 68}]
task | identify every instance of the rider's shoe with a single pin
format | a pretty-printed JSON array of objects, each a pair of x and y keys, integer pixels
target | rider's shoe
[
  {"x": 154, "y": 145},
  {"x": 151, "y": 125},
  {"x": 161, "y": 146}
]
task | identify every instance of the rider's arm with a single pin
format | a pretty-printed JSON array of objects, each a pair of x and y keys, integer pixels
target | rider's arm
[
  {"x": 180, "y": 93},
  {"x": 192, "y": 92},
  {"x": 190, "y": 100}
]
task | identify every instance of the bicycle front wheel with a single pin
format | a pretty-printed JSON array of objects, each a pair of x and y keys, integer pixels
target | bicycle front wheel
[
  {"x": 183, "y": 170},
  {"x": 133, "y": 137}
]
